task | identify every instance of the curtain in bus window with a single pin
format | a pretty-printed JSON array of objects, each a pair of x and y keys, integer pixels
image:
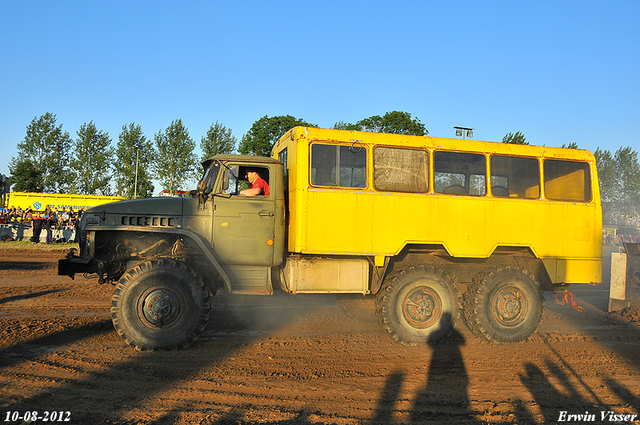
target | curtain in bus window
[
  {"x": 515, "y": 177},
  {"x": 348, "y": 161},
  {"x": 567, "y": 180},
  {"x": 460, "y": 173},
  {"x": 400, "y": 170}
]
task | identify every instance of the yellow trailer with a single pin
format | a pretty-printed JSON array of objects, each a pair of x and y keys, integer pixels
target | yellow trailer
[{"x": 60, "y": 201}]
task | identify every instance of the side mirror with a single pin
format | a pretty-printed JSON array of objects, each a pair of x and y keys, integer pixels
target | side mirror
[{"x": 225, "y": 180}]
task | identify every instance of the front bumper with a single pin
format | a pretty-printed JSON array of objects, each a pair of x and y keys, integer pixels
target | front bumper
[{"x": 71, "y": 265}]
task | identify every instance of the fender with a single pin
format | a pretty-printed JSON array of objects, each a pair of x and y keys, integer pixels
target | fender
[{"x": 71, "y": 265}]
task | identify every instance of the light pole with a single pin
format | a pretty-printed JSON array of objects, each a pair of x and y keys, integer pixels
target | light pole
[{"x": 135, "y": 187}]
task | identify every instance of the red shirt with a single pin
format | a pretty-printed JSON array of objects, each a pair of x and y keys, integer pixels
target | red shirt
[{"x": 263, "y": 185}]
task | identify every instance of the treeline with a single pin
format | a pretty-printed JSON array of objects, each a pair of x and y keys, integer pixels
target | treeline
[
  {"x": 50, "y": 161},
  {"x": 619, "y": 177}
]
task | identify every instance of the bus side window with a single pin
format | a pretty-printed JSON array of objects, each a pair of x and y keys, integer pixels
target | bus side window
[
  {"x": 515, "y": 177},
  {"x": 567, "y": 180},
  {"x": 350, "y": 161},
  {"x": 460, "y": 173},
  {"x": 400, "y": 170}
]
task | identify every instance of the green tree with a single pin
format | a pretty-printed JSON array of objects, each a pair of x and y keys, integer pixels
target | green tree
[
  {"x": 25, "y": 176},
  {"x": 217, "y": 141},
  {"x": 176, "y": 163},
  {"x": 265, "y": 132},
  {"x": 341, "y": 125},
  {"x": 619, "y": 176},
  {"x": 606, "y": 175},
  {"x": 92, "y": 161},
  {"x": 627, "y": 184},
  {"x": 515, "y": 139},
  {"x": 49, "y": 150},
  {"x": 134, "y": 163},
  {"x": 395, "y": 122},
  {"x": 572, "y": 145}
]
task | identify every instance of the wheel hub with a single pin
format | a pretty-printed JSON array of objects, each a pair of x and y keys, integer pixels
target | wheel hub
[
  {"x": 510, "y": 306},
  {"x": 422, "y": 307},
  {"x": 160, "y": 308}
]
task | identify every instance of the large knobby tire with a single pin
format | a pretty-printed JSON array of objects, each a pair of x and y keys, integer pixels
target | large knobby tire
[
  {"x": 160, "y": 305},
  {"x": 504, "y": 304},
  {"x": 418, "y": 305},
  {"x": 361, "y": 308}
]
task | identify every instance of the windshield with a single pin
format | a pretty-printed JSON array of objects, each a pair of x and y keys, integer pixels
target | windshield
[{"x": 209, "y": 176}]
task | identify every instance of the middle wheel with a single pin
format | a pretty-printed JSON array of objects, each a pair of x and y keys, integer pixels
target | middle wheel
[{"x": 418, "y": 305}]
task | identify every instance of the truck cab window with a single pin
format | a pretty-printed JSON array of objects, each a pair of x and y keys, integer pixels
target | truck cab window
[
  {"x": 238, "y": 179},
  {"x": 209, "y": 177},
  {"x": 230, "y": 182}
]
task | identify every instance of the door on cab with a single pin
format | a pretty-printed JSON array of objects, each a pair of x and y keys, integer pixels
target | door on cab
[{"x": 244, "y": 216}]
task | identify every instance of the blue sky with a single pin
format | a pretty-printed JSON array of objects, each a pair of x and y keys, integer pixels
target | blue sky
[{"x": 559, "y": 71}]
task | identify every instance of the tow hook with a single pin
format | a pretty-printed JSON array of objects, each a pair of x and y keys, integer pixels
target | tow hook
[{"x": 568, "y": 298}]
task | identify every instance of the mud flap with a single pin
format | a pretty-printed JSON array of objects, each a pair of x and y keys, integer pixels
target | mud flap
[{"x": 625, "y": 278}]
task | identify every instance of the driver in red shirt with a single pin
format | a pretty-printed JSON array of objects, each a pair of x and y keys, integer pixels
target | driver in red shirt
[{"x": 258, "y": 185}]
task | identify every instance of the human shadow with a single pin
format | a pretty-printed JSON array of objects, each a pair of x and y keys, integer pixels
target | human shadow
[
  {"x": 444, "y": 397},
  {"x": 445, "y": 394},
  {"x": 24, "y": 265},
  {"x": 623, "y": 393},
  {"x": 388, "y": 399},
  {"x": 51, "y": 342},
  {"x": 29, "y": 296},
  {"x": 237, "y": 416},
  {"x": 557, "y": 402},
  {"x": 108, "y": 395}
]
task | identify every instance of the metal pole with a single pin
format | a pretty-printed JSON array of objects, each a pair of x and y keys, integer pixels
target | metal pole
[{"x": 135, "y": 189}]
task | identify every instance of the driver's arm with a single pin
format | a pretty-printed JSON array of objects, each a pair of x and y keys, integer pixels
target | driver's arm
[{"x": 251, "y": 192}]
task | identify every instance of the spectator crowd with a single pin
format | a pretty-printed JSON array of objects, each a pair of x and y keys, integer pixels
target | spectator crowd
[{"x": 52, "y": 221}]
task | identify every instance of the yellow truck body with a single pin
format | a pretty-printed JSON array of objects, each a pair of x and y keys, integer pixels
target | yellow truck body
[{"x": 329, "y": 219}]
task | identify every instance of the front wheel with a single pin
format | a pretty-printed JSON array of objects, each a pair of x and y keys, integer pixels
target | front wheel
[
  {"x": 417, "y": 305},
  {"x": 160, "y": 305},
  {"x": 504, "y": 304}
]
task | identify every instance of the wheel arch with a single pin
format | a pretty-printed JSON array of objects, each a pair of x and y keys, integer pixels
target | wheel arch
[
  {"x": 105, "y": 242},
  {"x": 464, "y": 269}
]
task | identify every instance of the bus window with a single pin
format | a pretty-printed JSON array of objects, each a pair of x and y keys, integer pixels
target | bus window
[
  {"x": 282, "y": 157},
  {"x": 400, "y": 170},
  {"x": 477, "y": 185},
  {"x": 349, "y": 160},
  {"x": 567, "y": 180},
  {"x": 515, "y": 177},
  {"x": 460, "y": 173}
]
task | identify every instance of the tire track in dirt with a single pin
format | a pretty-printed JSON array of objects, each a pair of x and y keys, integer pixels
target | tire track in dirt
[{"x": 285, "y": 359}]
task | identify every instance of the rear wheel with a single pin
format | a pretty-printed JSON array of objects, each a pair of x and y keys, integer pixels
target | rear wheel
[
  {"x": 418, "y": 305},
  {"x": 160, "y": 304},
  {"x": 504, "y": 304}
]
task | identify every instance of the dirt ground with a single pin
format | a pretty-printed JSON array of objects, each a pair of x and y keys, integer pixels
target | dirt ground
[{"x": 300, "y": 360}]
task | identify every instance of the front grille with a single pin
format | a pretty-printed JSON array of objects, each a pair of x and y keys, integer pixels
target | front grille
[{"x": 141, "y": 220}]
